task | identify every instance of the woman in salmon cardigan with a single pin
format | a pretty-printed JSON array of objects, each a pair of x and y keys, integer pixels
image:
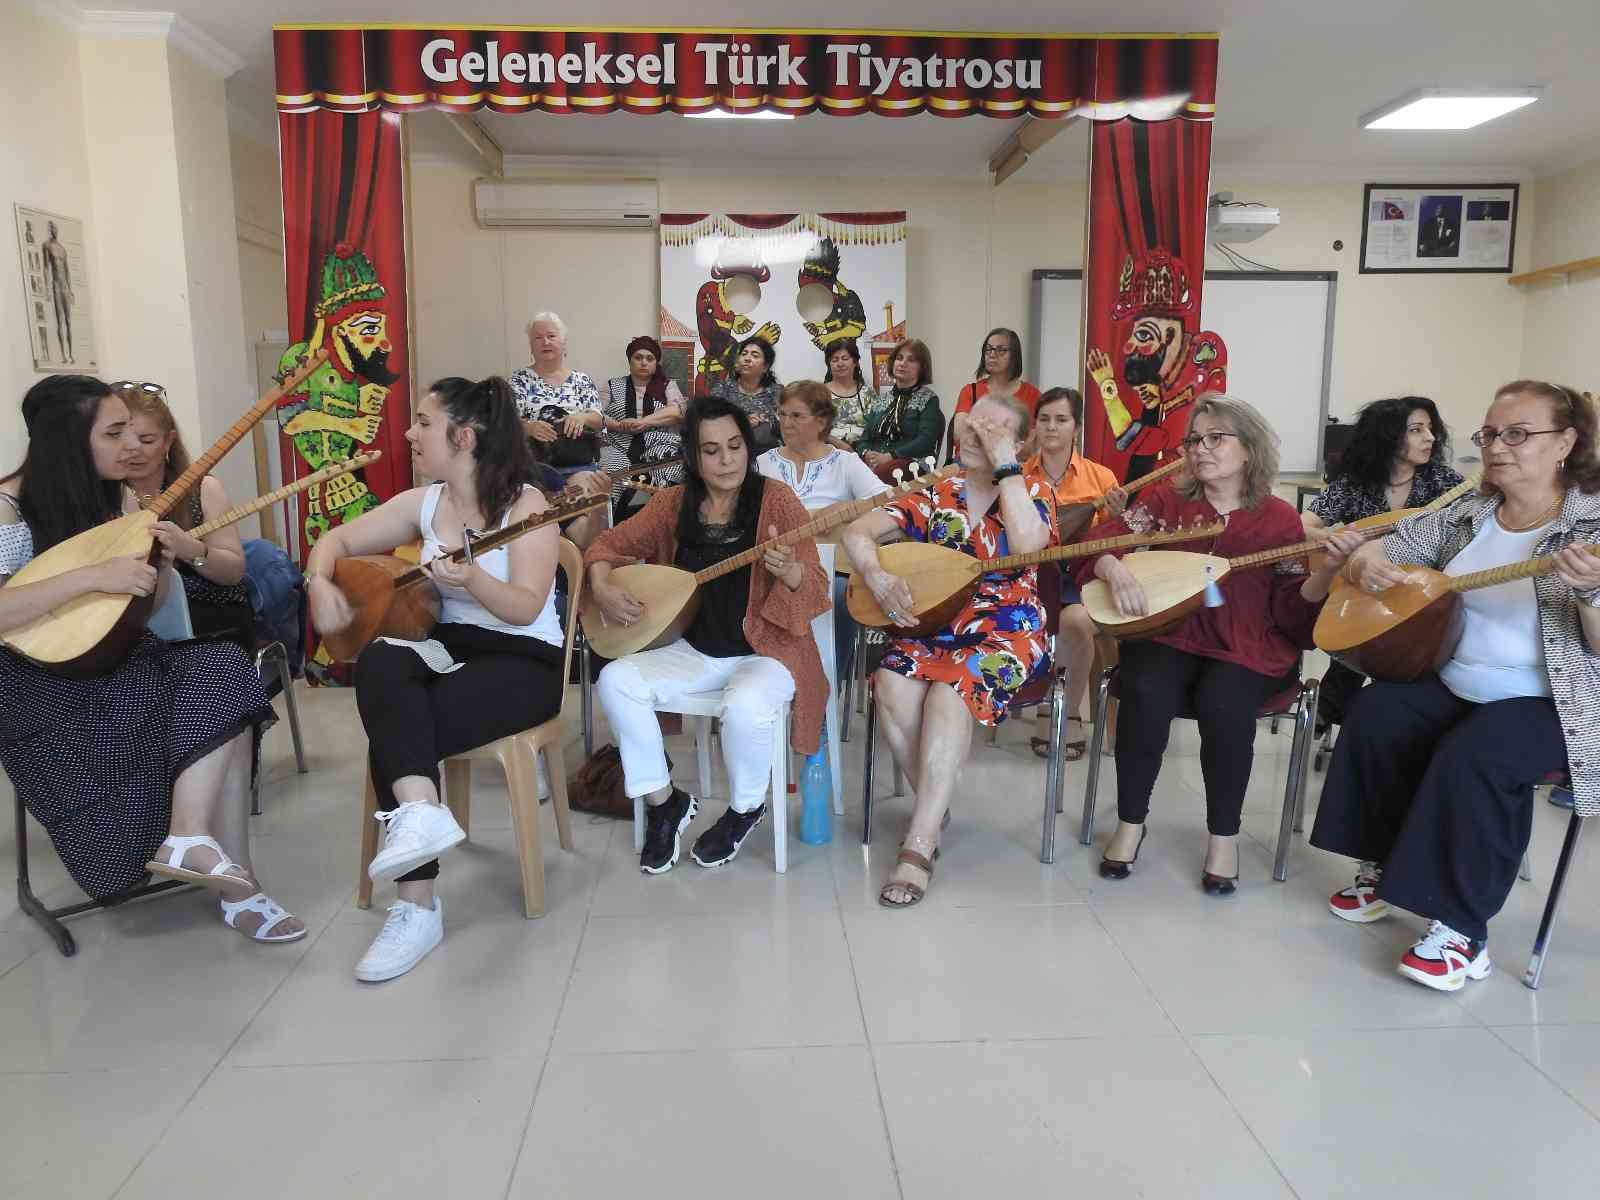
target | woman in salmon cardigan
[{"x": 750, "y": 638}]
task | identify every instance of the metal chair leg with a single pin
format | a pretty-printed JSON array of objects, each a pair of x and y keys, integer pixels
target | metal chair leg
[
  {"x": 1547, "y": 922},
  {"x": 1310, "y": 696},
  {"x": 868, "y": 764},
  {"x": 847, "y": 699},
  {"x": 1525, "y": 871},
  {"x": 1292, "y": 785},
  {"x": 1102, "y": 698},
  {"x": 1054, "y": 771}
]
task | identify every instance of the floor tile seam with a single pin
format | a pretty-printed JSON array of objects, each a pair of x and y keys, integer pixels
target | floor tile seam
[
  {"x": 872, "y": 1059},
  {"x": 161, "y": 1135},
  {"x": 332, "y": 1063},
  {"x": 1240, "y": 1117},
  {"x": 1554, "y": 1082},
  {"x": 1042, "y": 1039},
  {"x": 1137, "y": 974}
]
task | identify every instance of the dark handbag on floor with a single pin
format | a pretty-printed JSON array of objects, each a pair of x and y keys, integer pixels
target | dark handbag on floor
[{"x": 598, "y": 788}]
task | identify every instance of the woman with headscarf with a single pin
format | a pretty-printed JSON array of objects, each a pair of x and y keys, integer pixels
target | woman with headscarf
[{"x": 643, "y": 417}]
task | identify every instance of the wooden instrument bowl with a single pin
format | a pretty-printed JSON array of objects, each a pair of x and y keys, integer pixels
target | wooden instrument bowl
[
  {"x": 669, "y": 596},
  {"x": 367, "y": 582},
  {"x": 1397, "y": 635},
  {"x": 942, "y": 581},
  {"x": 1073, "y": 519},
  {"x": 92, "y": 633},
  {"x": 1174, "y": 583}
]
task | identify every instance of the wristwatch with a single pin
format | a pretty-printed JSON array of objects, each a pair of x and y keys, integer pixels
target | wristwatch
[
  {"x": 1006, "y": 470},
  {"x": 198, "y": 561}
]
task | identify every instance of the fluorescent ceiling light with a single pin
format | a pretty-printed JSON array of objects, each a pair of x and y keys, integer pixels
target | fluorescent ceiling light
[
  {"x": 758, "y": 114},
  {"x": 1448, "y": 108}
]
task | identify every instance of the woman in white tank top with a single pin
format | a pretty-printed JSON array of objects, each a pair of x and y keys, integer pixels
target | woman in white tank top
[{"x": 493, "y": 665}]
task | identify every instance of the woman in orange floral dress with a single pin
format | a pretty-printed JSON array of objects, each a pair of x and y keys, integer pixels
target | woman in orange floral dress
[{"x": 932, "y": 691}]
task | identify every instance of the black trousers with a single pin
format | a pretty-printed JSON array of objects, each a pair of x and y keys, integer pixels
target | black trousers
[
  {"x": 1439, "y": 791},
  {"x": 415, "y": 717},
  {"x": 1339, "y": 687},
  {"x": 1158, "y": 683}
]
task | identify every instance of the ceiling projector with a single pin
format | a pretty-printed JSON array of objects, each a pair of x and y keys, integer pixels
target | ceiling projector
[{"x": 1230, "y": 221}]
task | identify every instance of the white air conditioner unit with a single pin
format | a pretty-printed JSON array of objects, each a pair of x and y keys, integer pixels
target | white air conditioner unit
[
  {"x": 1231, "y": 222},
  {"x": 542, "y": 203}
]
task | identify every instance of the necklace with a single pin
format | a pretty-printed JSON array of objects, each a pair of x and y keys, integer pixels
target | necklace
[{"x": 1541, "y": 519}]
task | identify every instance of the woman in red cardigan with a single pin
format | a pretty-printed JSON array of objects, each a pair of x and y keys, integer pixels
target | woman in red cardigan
[
  {"x": 750, "y": 638},
  {"x": 1221, "y": 663}
]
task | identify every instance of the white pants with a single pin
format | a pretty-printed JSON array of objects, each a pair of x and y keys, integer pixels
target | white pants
[{"x": 754, "y": 690}]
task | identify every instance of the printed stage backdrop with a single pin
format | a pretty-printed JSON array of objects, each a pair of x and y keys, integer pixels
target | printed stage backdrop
[
  {"x": 1146, "y": 356},
  {"x": 798, "y": 280},
  {"x": 344, "y": 250}
]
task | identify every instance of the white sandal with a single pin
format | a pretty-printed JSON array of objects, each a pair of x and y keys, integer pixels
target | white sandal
[
  {"x": 225, "y": 874},
  {"x": 272, "y": 913}
]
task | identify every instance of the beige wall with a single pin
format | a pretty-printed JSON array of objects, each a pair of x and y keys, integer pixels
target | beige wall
[
  {"x": 1559, "y": 316},
  {"x": 43, "y": 164},
  {"x": 258, "y": 206}
]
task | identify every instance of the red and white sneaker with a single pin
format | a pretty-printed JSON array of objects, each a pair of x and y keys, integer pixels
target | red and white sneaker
[
  {"x": 1445, "y": 959},
  {"x": 1359, "y": 902}
]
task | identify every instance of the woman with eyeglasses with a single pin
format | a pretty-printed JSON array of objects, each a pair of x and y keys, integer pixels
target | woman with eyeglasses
[
  {"x": 999, "y": 373},
  {"x": 1397, "y": 458},
  {"x": 1222, "y": 664},
  {"x": 1431, "y": 785},
  {"x": 212, "y": 568},
  {"x": 144, "y": 769}
]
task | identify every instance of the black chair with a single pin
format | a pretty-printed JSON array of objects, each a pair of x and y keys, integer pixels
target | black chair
[{"x": 1298, "y": 701}]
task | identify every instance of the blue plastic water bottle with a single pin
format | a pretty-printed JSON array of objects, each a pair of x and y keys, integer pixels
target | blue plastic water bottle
[{"x": 816, "y": 800}]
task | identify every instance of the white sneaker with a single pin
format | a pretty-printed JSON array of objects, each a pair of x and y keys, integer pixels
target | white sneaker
[
  {"x": 1359, "y": 902},
  {"x": 413, "y": 834},
  {"x": 405, "y": 939},
  {"x": 1445, "y": 959}
]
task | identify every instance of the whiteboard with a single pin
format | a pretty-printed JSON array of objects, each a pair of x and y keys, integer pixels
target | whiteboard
[{"x": 1277, "y": 326}]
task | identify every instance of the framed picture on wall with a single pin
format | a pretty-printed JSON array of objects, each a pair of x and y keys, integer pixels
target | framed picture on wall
[
  {"x": 1431, "y": 228},
  {"x": 55, "y": 288}
]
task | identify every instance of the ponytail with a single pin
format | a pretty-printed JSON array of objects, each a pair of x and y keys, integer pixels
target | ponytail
[{"x": 504, "y": 462}]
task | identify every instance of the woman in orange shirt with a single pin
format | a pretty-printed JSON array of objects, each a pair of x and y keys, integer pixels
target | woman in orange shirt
[
  {"x": 999, "y": 374},
  {"x": 1076, "y": 482}
]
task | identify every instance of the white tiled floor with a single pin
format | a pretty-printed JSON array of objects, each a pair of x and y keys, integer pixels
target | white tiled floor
[{"x": 735, "y": 1033}]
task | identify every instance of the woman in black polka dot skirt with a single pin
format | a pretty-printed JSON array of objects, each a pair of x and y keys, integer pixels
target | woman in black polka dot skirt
[{"x": 145, "y": 770}]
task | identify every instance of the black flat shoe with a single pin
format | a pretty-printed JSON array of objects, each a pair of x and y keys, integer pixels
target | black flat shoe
[
  {"x": 1218, "y": 885},
  {"x": 1115, "y": 868}
]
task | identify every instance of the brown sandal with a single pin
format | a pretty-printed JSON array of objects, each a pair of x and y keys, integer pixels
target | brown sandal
[
  {"x": 911, "y": 859},
  {"x": 1070, "y": 751}
]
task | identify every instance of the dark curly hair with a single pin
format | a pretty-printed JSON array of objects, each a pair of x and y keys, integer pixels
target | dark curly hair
[
  {"x": 1380, "y": 434},
  {"x": 768, "y": 351},
  {"x": 1569, "y": 409}
]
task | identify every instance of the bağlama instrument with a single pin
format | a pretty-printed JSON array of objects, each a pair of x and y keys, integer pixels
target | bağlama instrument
[
  {"x": 1403, "y": 632},
  {"x": 1387, "y": 521},
  {"x": 92, "y": 633},
  {"x": 1071, "y": 518},
  {"x": 332, "y": 471},
  {"x": 943, "y": 580},
  {"x": 670, "y": 595},
  {"x": 386, "y": 593}
]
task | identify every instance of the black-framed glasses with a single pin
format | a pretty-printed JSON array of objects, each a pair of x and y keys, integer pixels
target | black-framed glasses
[
  {"x": 1512, "y": 435},
  {"x": 1209, "y": 440},
  {"x": 997, "y": 349}
]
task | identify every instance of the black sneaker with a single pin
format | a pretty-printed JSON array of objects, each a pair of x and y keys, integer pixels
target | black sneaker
[
  {"x": 719, "y": 845},
  {"x": 663, "y": 831}
]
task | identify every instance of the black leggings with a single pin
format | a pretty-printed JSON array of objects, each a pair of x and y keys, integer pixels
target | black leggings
[
  {"x": 1158, "y": 683},
  {"x": 1439, "y": 791},
  {"x": 415, "y": 717}
]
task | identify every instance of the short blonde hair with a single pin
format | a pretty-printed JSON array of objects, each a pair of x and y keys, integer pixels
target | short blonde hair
[
  {"x": 1013, "y": 406},
  {"x": 548, "y": 318},
  {"x": 1254, "y": 434}
]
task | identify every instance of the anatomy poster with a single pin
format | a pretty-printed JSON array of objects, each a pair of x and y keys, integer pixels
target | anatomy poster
[
  {"x": 55, "y": 290},
  {"x": 800, "y": 280}
]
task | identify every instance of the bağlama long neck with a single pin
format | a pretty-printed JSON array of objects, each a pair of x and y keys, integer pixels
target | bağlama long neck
[{"x": 1510, "y": 573}]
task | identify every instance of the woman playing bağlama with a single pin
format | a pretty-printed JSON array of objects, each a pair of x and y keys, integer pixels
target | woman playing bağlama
[
  {"x": 1222, "y": 663},
  {"x": 1431, "y": 785},
  {"x": 932, "y": 691},
  {"x": 146, "y": 768},
  {"x": 1397, "y": 458},
  {"x": 750, "y": 637}
]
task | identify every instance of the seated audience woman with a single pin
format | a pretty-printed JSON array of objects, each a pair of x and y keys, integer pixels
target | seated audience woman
[
  {"x": 145, "y": 769},
  {"x": 750, "y": 638},
  {"x": 848, "y": 387},
  {"x": 561, "y": 410},
  {"x": 999, "y": 373},
  {"x": 905, "y": 421},
  {"x": 643, "y": 419},
  {"x": 1431, "y": 786},
  {"x": 492, "y": 666},
  {"x": 754, "y": 388},
  {"x": 1397, "y": 458},
  {"x": 932, "y": 691},
  {"x": 1222, "y": 663},
  {"x": 824, "y": 477},
  {"x": 211, "y": 569},
  {"x": 1075, "y": 482}
]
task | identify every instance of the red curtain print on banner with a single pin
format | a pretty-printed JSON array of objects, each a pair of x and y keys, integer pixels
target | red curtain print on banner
[
  {"x": 843, "y": 74},
  {"x": 345, "y": 270},
  {"x": 1146, "y": 357}
]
